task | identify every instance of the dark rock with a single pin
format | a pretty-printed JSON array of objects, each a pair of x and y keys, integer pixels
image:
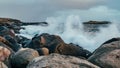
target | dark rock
[
  {"x": 23, "y": 57},
  {"x": 13, "y": 24},
  {"x": 5, "y": 42},
  {"x": 56, "y": 45},
  {"x": 73, "y": 50},
  {"x": 107, "y": 55},
  {"x": 12, "y": 43},
  {"x": 93, "y": 26},
  {"x": 22, "y": 40},
  {"x": 51, "y": 41},
  {"x": 60, "y": 61},
  {"x": 5, "y": 31},
  {"x": 34, "y": 43},
  {"x": 35, "y": 23}
]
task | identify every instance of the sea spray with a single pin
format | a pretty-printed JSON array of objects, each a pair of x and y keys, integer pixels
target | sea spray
[{"x": 70, "y": 28}]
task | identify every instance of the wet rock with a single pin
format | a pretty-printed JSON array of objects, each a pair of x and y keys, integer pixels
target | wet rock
[
  {"x": 5, "y": 31},
  {"x": 22, "y": 40},
  {"x": 34, "y": 43},
  {"x": 107, "y": 55},
  {"x": 5, "y": 43},
  {"x": 23, "y": 57},
  {"x": 73, "y": 50},
  {"x": 12, "y": 43},
  {"x": 60, "y": 61},
  {"x": 55, "y": 44},
  {"x": 51, "y": 42},
  {"x": 44, "y": 40}
]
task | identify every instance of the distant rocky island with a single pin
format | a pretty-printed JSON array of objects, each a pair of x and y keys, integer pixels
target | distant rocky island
[
  {"x": 50, "y": 51},
  {"x": 93, "y": 26},
  {"x": 90, "y": 26}
]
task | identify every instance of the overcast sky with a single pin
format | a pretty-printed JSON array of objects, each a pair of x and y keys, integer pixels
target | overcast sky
[{"x": 40, "y": 10}]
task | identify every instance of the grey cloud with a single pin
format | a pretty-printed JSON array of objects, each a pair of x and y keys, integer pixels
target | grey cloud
[
  {"x": 99, "y": 13},
  {"x": 39, "y": 10},
  {"x": 77, "y": 4}
]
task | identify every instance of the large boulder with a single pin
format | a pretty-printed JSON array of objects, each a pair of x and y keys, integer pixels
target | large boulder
[
  {"x": 108, "y": 54},
  {"x": 6, "y": 46},
  {"x": 60, "y": 61},
  {"x": 2, "y": 65},
  {"x": 51, "y": 41},
  {"x": 55, "y": 44},
  {"x": 72, "y": 49},
  {"x": 44, "y": 40},
  {"x": 5, "y": 56},
  {"x": 23, "y": 57},
  {"x": 4, "y": 53}
]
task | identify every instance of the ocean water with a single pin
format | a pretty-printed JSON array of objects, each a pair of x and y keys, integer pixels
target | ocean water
[{"x": 70, "y": 29}]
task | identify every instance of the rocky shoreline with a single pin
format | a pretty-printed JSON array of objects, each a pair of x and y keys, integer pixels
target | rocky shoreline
[{"x": 50, "y": 51}]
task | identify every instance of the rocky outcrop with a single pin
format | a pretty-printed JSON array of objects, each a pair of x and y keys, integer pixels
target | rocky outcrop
[
  {"x": 23, "y": 57},
  {"x": 93, "y": 26},
  {"x": 18, "y": 51},
  {"x": 35, "y": 23},
  {"x": 56, "y": 45},
  {"x": 9, "y": 21},
  {"x": 72, "y": 49},
  {"x": 60, "y": 61},
  {"x": 108, "y": 54},
  {"x": 15, "y": 24},
  {"x": 11, "y": 24}
]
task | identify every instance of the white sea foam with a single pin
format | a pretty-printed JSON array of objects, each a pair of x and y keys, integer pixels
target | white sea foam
[{"x": 70, "y": 29}]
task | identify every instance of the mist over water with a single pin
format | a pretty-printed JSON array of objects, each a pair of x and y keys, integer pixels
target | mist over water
[{"x": 70, "y": 29}]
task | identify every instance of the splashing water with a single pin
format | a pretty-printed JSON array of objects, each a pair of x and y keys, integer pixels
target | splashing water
[{"x": 70, "y": 29}]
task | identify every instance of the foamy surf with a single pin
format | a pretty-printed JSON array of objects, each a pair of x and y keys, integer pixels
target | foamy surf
[{"x": 70, "y": 29}]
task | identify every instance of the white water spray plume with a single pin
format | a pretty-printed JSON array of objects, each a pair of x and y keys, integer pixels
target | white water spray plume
[{"x": 70, "y": 29}]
